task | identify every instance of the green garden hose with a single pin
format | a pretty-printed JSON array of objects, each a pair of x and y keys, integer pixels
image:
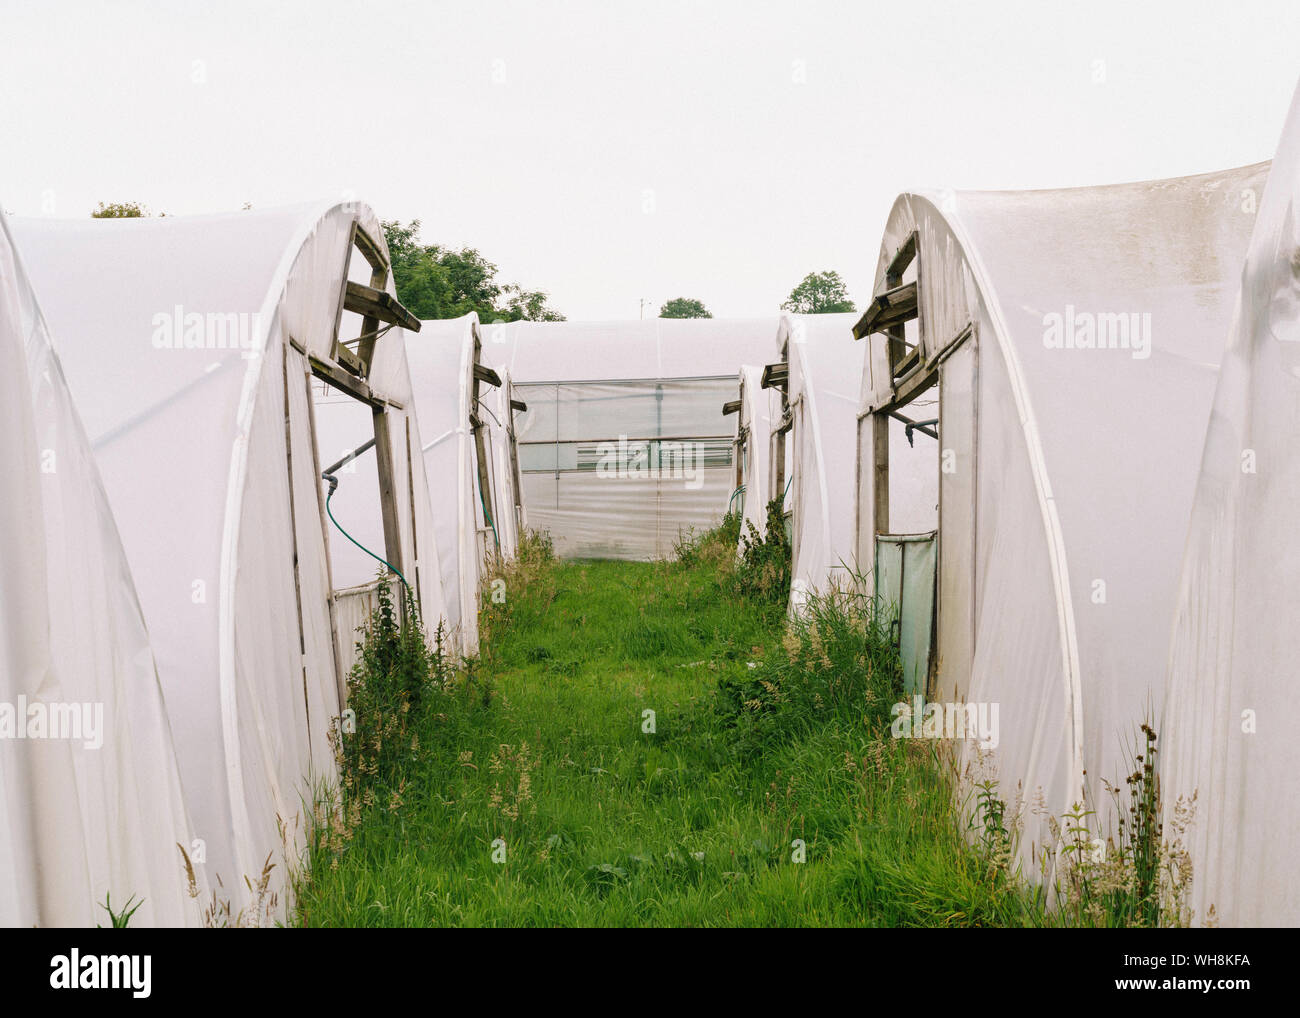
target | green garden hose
[{"x": 336, "y": 523}]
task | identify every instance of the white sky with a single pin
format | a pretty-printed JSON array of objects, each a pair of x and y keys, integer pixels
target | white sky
[{"x": 758, "y": 177}]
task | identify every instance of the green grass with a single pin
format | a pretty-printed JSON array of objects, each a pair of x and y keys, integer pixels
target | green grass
[{"x": 764, "y": 737}]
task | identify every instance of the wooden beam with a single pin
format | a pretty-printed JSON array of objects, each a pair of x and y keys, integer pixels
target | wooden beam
[
  {"x": 340, "y": 680},
  {"x": 410, "y": 491},
  {"x": 908, "y": 363},
  {"x": 731, "y": 407},
  {"x": 388, "y": 491},
  {"x": 880, "y": 482},
  {"x": 775, "y": 376},
  {"x": 335, "y": 341},
  {"x": 896, "y": 347},
  {"x": 889, "y": 309},
  {"x": 903, "y": 256},
  {"x": 517, "y": 508},
  {"x": 913, "y": 386},
  {"x": 484, "y": 485},
  {"x": 350, "y": 361},
  {"x": 369, "y": 249},
  {"x": 378, "y": 280},
  {"x": 370, "y": 302},
  {"x": 485, "y": 374},
  {"x": 293, "y": 531},
  {"x": 357, "y": 388},
  {"x": 778, "y": 463}
]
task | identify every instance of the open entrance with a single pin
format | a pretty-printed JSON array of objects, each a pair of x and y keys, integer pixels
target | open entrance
[
  {"x": 906, "y": 547},
  {"x": 777, "y": 376},
  {"x": 362, "y": 450},
  {"x": 486, "y": 525},
  {"x": 515, "y": 406},
  {"x": 898, "y": 496},
  {"x": 345, "y": 435}
]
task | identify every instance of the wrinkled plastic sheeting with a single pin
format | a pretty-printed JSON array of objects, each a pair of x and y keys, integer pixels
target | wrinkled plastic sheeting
[
  {"x": 825, "y": 363},
  {"x": 639, "y": 519},
  {"x": 1225, "y": 732},
  {"x": 78, "y": 823},
  {"x": 501, "y": 448},
  {"x": 760, "y": 410},
  {"x": 638, "y": 410},
  {"x": 441, "y": 358},
  {"x": 624, "y": 469}
]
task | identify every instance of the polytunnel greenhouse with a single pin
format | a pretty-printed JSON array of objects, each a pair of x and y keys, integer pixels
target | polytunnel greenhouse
[
  {"x": 190, "y": 346},
  {"x": 623, "y": 447},
  {"x": 1071, "y": 339}
]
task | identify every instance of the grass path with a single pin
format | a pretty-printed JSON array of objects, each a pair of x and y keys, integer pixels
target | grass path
[{"x": 533, "y": 795}]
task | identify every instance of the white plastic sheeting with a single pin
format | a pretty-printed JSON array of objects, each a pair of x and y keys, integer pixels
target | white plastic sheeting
[
  {"x": 442, "y": 358},
  {"x": 760, "y": 411},
  {"x": 503, "y": 462},
  {"x": 175, "y": 338},
  {"x": 1226, "y": 733},
  {"x": 624, "y": 447},
  {"x": 94, "y": 809},
  {"x": 825, "y": 366},
  {"x": 1070, "y": 453}
]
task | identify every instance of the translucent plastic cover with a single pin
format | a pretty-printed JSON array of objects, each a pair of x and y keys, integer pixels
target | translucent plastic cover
[
  {"x": 1077, "y": 334},
  {"x": 1231, "y": 680},
  {"x": 90, "y": 791},
  {"x": 624, "y": 448},
  {"x": 180, "y": 341}
]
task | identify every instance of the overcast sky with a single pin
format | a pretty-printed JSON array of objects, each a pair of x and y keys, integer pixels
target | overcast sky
[{"x": 608, "y": 152}]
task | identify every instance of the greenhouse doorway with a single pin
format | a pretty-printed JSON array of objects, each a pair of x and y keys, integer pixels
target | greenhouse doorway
[
  {"x": 363, "y": 452},
  {"x": 898, "y": 484}
]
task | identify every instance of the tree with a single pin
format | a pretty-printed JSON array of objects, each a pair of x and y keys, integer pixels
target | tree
[
  {"x": 529, "y": 306},
  {"x": 120, "y": 210},
  {"x": 820, "y": 293},
  {"x": 684, "y": 307},
  {"x": 472, "y": 282},
  {"x": 442, "y": 282}
]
